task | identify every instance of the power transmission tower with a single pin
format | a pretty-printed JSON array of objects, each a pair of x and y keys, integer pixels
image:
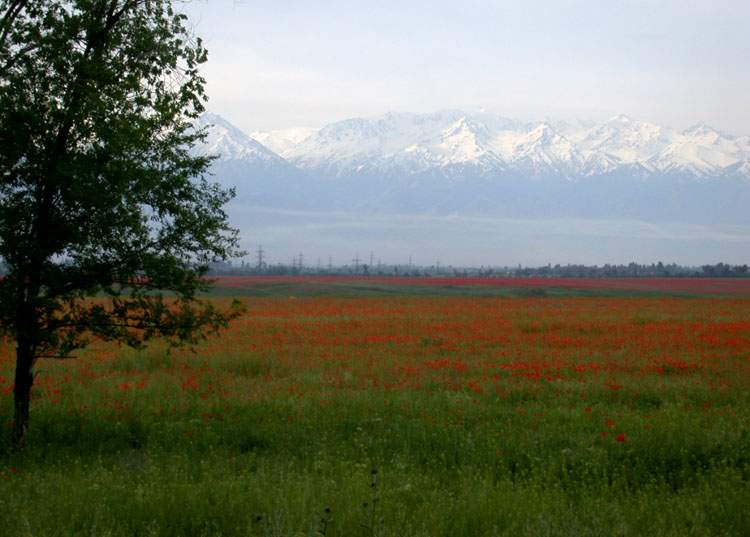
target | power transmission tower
[
  {"x": 260, "y": 258},
  {"x": 355, "y": 261},
  {"x": 330, "y": 264}
]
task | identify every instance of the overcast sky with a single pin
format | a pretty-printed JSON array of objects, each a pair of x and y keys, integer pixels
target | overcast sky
[{"x": 282, "y": 63}]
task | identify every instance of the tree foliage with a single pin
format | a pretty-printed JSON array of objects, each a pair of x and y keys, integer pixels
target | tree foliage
[{"x": 101, "y": 193}]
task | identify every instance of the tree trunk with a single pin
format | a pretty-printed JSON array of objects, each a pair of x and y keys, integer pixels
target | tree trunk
[{"x": 22, "y": 391}]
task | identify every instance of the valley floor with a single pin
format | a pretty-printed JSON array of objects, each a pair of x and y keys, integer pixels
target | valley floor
[{"x": 358, "y": 409}]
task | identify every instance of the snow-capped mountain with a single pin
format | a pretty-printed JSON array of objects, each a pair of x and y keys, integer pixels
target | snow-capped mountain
[
  {"x": 622, "y": 141},
  {"x": 258, "y": 174},
  {"x": 391, "y": 144},
  {"x": 420, "y": 143},
  {"x": 490, "y": 144},
  {"x": 281, "y": 141},
  {"x": 451, "y": 161},
  {"x": 545, "y": 150},
  {"x": 701, "y": 151},
  {"x": 230, "y": 143}
]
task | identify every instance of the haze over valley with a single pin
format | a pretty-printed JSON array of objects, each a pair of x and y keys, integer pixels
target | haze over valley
[{"x": 479, "y": 188}]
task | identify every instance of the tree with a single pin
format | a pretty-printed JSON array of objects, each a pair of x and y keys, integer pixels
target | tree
[{"x": 107, "y": 219}]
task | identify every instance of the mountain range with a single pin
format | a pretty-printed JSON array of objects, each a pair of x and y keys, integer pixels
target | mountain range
[{"x": 453, "y": 162}]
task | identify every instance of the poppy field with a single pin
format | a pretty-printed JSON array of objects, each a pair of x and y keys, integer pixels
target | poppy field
[{"x": 364, "y": 408}]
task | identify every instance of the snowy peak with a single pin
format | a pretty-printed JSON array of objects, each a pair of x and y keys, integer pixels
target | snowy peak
[
  {"x": 392, "y": 143},
  {"x": 282, "y": 141},
  {"x": 230, "y": 143},
  {"x": 417, "y": 143},
  {"x": 621, "y": 119},
  {"x": 624, "y": 140},
  {"x": 701, "y": 130},
  {"x": 543, "y": 149},
  {"x": 544, "y": 134},
  {"x": 701, "y": 151},
  {"x": 464, "y": 141},
  {"x": 453, "y": 162},
  {"x": 453, "y": 142}
]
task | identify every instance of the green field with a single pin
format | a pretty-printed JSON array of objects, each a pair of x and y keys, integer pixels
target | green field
[{"x": 399, "y": 412}]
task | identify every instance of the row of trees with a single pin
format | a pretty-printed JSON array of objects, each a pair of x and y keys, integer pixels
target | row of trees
[
  {"x": 635, "y": 270},
  {"x": 631, "y": 270}
]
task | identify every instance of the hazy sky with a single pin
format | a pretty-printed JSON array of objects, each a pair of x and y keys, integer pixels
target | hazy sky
[{"x": 281, "y": 63}]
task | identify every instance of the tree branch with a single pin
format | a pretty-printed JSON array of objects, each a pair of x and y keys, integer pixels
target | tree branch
[{"x": 10, "y": 15}]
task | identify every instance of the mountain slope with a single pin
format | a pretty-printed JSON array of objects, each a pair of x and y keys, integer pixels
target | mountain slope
[
  {"x": 454, "y": 162},
  {"x": 486, "y": 144},
  {"x": 259, "y": 175},
  {"x": 230, "y": 143},
  {"x": 700, "y": 151},
  {"x": 281, "y": 141}
]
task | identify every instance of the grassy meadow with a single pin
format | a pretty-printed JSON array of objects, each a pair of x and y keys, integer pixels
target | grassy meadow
[{"x": 366, "y": 408}]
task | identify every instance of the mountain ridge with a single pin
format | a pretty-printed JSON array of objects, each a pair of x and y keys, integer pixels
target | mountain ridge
[
  {"x": 452, "y": 162},
  {"x": 410, "y": 142}
]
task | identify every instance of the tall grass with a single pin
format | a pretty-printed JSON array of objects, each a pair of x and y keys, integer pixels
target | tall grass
[{"x": 311, "y": 418}]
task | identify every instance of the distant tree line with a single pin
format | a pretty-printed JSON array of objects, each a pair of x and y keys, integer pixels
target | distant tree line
[
  {"x": 631, "y": 270},
  {"x": 635, "y": 270}
]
